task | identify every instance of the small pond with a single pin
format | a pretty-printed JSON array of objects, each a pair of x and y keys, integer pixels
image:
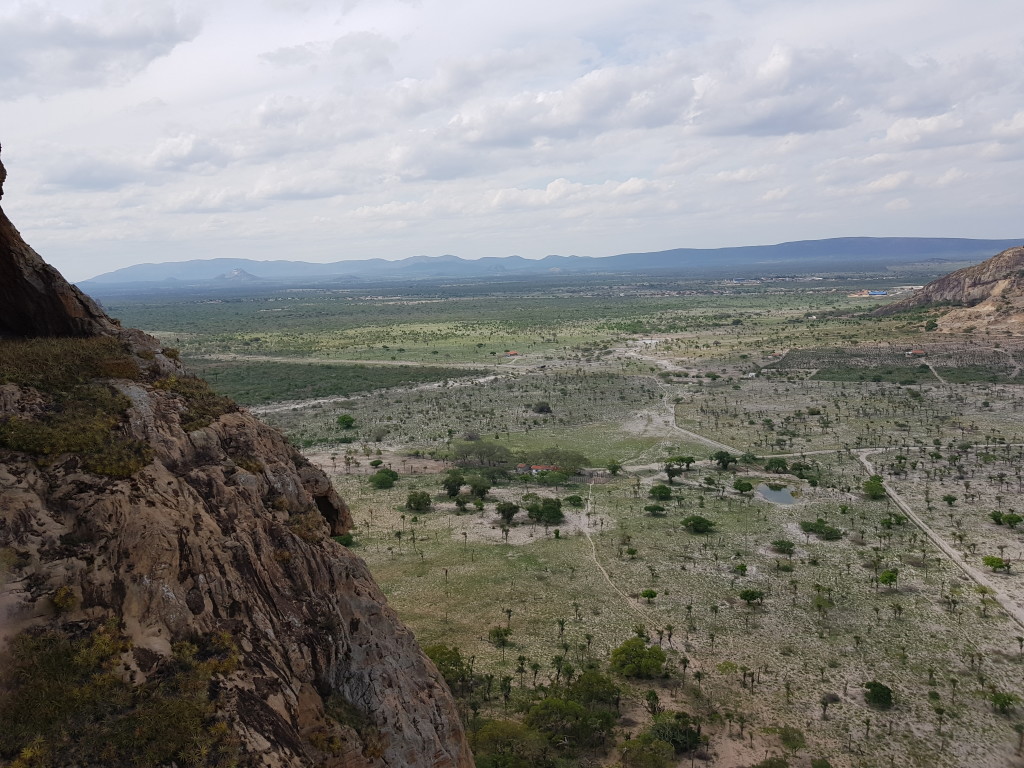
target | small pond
[{"x": 780, "y": 496}]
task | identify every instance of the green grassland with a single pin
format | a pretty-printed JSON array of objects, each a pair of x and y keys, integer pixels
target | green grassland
[
  {"x": 253, "y": 382},
  {"x": 634, "y": 372}
]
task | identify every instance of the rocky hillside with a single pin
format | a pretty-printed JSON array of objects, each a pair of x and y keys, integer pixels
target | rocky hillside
[
  {"x": 989, "y": 295},
  {"x": 171, "y": 591}
]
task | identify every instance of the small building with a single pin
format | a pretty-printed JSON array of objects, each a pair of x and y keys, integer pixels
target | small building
[{"x": 535, "y": 469}]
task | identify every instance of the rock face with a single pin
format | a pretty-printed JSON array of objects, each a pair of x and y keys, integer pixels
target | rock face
[
  {"x": 989, "y": 295},
  {"x": 224, "y": 531},
  {"x": 36, "y": 299}
]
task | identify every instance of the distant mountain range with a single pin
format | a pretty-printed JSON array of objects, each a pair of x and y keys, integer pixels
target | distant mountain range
[{"x": 850, "y": 254}]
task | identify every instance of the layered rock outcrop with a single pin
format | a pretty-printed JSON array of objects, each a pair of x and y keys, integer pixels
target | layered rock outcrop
[
  {"x": 989, "y": 295},
  {"x": 221, "y": 530}
]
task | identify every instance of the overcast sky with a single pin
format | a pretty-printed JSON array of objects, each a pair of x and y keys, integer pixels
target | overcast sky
[{"x": 162, "y": 130}]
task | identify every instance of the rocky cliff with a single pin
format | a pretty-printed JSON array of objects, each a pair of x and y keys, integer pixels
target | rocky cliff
[
  {"x": 36, "y": 300},
  {"x": 170, "y": 591},
  {"x": 989, "y": 295}
]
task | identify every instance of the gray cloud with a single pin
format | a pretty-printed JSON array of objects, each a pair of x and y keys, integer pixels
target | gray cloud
[{"x": 43, "y": 52}]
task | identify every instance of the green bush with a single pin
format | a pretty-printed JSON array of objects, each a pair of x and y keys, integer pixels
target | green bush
[
  {"x": 677, "y": 729},
  {"x": 635, "y": 659},
  {"x": 508, "y": 744},
  {"x": 418, "y": 501},
  {"x": 878, "y": 695},
  {"x": 546, "y": 511},
  {"x": 383, "y": 478},
  {"x": 66, "y": 704},
  {"x": 821, "y": 529},
  {"x": 698, "y": 524}
]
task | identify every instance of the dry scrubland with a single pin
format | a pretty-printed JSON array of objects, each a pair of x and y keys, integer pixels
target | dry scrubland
[{"x": 641, "y": 379}]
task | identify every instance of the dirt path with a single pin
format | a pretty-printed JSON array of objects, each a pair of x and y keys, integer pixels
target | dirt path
[
  {"x": 935, "y": 373},
  {"x": 593, "y": 556},
  {"x": 1014, "y": 608},
  {"x": 705, "y": 440},
  {"x": 695, "y": 437},
  {"x": 290, "y": 405},
  {"x": 1016, "y": 366},
  {"x": 338, "y": 361}
]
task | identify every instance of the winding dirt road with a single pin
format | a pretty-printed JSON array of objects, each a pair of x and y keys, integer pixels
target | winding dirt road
[{"x": 1013, "y": 607}]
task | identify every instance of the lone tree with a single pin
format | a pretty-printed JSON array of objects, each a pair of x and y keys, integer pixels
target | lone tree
[
  {"x": 723, "y": 459},
  {"x": 827, "y": 700},
  {"x": 660, "y": 492},
  {"x": 784, "y": 547},
  {"x": 743, "y": 486},
  {"x": 878, "y": 695},
  {"x": 499, "y": 637},
  {"x": 996, "y": 563},
  {"x": 873, "y": 487},
  {"x": 750, "y": 596},
  {"x": 418, "y": 501},
  {"x": 776, "y": 464},
  {"x": 648, "y": 595},
  {"x": 1003, "y": 702},
  {"x": 383, "y": 478},
  {"x": 453, "y": 482},
  {"x": 346, "y": 421},
  {"x": 890, "y": 578},
  {"x": 698, "y": 524},
  {"x": 635, "y": 659},
  {"x": 546, "y": 511},
  {"x": 478, "y": 485},
  {"x": 507, "y": 510},
  {"x": 673, "y": 469}
]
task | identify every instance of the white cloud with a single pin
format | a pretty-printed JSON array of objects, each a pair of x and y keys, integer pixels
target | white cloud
[
  {"x": 393, "y": 128},
  {"x": 889, "y": 182},
  {"x": 899, "y": 204},
  {"x": 44, "y": 50}
]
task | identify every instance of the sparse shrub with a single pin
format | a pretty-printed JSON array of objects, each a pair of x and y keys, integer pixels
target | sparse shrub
[
  {"x": 203, "y": 406},
  {"x": 784, "y": 546},
  {"x": 792, "y": 738},
  {"x": 82, "y": 421},
  {"x": 64, "y": 599},
  {"x": 308, "y": 526},
  {"x": 66, "y": 703}
]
